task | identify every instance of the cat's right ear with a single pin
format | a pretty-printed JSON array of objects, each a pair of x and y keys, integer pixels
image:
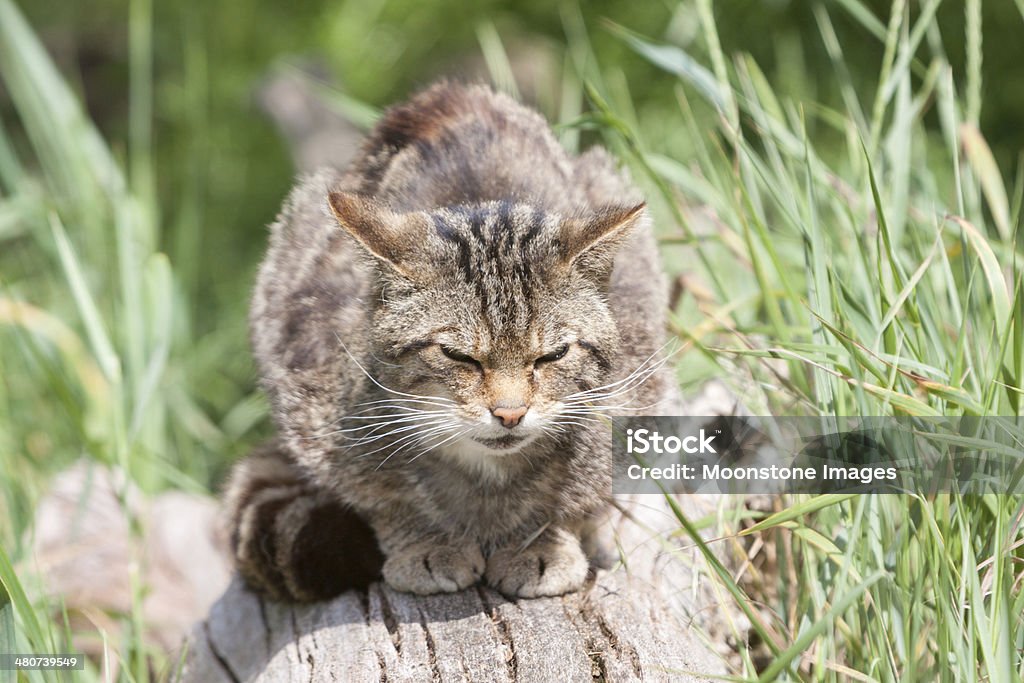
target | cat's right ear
[
  {"x": 589, "y": 243},
  {"x": 393, "y": 238}
]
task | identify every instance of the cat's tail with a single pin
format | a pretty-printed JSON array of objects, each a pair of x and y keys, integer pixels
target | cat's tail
[{"x": 291, "y": 540}]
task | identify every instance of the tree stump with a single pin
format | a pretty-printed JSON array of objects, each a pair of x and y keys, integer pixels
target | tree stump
[{"x": 640, "y": 620}]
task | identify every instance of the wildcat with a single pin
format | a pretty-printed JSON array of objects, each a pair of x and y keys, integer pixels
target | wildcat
[{"x": 441, "y": 330}]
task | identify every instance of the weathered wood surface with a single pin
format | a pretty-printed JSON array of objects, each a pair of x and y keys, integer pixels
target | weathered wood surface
[{"x": 631, "y": 623}]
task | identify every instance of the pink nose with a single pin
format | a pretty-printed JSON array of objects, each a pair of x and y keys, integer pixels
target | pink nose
[{"x": 509, "y": 417}]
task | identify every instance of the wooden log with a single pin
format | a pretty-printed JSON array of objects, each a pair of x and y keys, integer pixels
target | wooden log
[{"x": 639, "y": 621}]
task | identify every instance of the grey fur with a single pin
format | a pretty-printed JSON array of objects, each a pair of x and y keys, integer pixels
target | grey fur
[{"x": 461, "y": 228}]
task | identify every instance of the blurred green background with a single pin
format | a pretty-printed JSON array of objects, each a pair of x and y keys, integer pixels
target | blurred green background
[
  {"x": 857, "y": 252},
  {"x": 220, "y": 164}
]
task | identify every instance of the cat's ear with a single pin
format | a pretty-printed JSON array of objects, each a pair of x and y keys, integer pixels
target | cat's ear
[
  {"x": 589, "y": 243},
  {"x": 394, "y": 238}
]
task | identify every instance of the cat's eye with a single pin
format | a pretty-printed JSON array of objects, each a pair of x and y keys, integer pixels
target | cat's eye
[
  {"x": 557, "y": 354},
  {"x": 458, "y": 355}
]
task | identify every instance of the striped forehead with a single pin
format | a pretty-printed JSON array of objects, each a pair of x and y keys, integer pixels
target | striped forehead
[{"x": 500, "y": 250}]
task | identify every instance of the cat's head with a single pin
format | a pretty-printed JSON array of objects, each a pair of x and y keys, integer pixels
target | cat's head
[{"x": 498, "y": 310}]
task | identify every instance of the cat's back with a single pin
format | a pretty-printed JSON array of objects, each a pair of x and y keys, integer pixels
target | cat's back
[{"x": 458, "y": 144}]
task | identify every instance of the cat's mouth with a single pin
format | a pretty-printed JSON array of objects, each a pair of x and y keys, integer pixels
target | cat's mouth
[{"x": 502, "y": 442}]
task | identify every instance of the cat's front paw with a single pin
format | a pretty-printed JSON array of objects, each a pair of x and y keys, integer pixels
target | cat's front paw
[
  {"x": 428, "y": 567},
  {"x": 552, "y": 565}
]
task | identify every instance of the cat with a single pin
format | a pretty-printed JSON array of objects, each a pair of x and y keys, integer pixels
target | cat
[{"x": 441, "y": 330}]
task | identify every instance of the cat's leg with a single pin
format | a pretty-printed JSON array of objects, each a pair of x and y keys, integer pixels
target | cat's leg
[
  {"x": 553, "y": 564},
  {"x": 291, "y": 540},
  {"x": 598, "y": 541},
  {"x": 421, "y": 559}
]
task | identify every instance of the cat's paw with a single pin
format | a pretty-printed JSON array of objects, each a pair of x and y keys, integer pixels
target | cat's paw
[
  {"x": 429, "y": 567},
  {"x": 552, "y": 565}
]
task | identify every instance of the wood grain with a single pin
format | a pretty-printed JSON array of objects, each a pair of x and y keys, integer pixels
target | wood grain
[{"x": 639, "y": 621}]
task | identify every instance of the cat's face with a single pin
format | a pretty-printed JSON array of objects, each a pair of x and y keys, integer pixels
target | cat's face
[{"x": 491, "y": 319}]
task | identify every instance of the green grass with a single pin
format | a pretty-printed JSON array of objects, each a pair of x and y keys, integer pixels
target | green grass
[
  {"x": 856, "y": 257},
  {"x": 97, "y": 356},
  {"x": 877, "y": 275}
]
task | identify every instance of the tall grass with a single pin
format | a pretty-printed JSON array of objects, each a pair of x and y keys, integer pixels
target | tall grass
[
  {"x": 854, "y": 260},
  {"x": 862, "y": 260},
  {"x": 95, "y": 346}
]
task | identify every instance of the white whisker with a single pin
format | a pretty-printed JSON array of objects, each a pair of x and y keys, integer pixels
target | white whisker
[
  {"x": 574, "y": 423},
  {"x": 597, "y": 409},
  {"x": 415, "y": 442},
  {"x": 406, "y": 439},
  {"x": 371, "y": 377},
  {"x": 401, "y": 414},
  {"x": 394, "y": 404},
  {"x": 457, "y": 435},
  {"x": 371, "y": 436},
  {"x": 373, "y": 428},
  {"x": 586, "y": 417},
  {"x": 635, "y": 379},
  {"x": 382, "y": 421},
  {"x": 433, "y": 434},
  {"x": 431, "y": 400},
  {"x": 643, "y": 369},
  {"x": 593, "y": 409},
  {"x": 522, "y": 453}
]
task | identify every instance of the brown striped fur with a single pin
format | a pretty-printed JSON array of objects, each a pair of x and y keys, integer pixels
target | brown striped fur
[{"x": 467, "y": 266}]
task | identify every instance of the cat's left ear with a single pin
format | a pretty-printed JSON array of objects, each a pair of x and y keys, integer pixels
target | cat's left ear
[
  {"x": 396, "y": 239},
  {"x": 589, "y": 243}
]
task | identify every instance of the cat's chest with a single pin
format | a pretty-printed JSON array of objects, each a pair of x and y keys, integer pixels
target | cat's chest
[{"x": 497, "y": 500}]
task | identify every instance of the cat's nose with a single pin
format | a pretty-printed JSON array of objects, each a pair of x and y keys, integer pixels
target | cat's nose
[{"x": 509, "y": 416}]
